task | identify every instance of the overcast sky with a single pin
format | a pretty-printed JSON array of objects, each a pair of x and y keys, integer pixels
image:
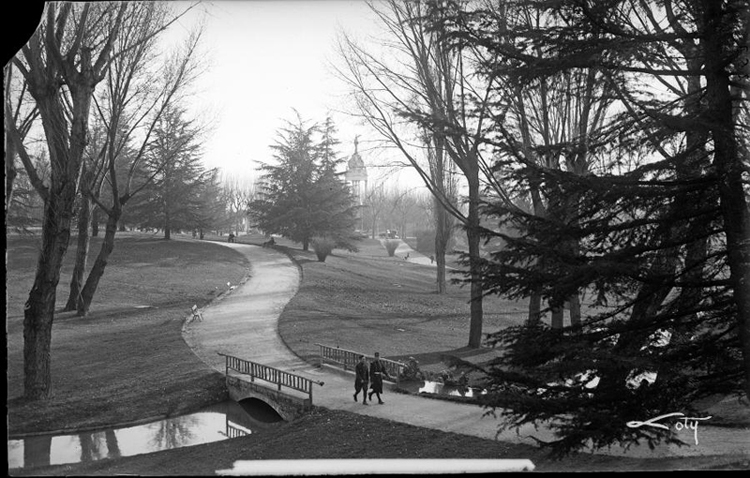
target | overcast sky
[{"x": 266, "y": 58}]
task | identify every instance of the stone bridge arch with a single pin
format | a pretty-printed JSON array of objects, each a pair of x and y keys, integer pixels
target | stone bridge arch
[{"x": 286, "y": 405}]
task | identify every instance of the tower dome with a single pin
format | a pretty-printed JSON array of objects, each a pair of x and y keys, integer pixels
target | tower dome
[
  {"x": 355, "y": 162},
  {"x": 356, "y": 174},
  {"x": 356, "y": 170}
]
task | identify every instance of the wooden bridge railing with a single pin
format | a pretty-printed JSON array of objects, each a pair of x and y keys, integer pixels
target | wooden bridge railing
[
  {"x": 349, "y": 359},
  {"x": 270, "y": 374}
]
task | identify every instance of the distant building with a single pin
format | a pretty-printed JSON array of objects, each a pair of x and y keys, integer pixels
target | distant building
[
  {"x": 356, "y": 178},
  {"x": 356, "y": 175}
]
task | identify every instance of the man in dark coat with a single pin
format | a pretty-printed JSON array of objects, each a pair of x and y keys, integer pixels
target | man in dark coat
[
  {"x": 377, "y": 371},
  {"x": 362, "y": 377}
]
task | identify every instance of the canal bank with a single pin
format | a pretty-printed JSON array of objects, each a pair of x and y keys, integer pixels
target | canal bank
[{"x": 244, "y": 324}]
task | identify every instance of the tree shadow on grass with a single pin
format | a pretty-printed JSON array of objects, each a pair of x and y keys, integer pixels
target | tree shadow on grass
[{"x": 125, "y": 312}]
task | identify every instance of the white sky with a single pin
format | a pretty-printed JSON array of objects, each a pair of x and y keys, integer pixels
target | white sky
[{"x": 266, "y": 58}]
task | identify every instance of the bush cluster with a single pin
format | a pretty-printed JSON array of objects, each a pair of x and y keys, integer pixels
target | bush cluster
[
  {"x": 323, "y": 246},
  {"x": 391, "y": 245}
]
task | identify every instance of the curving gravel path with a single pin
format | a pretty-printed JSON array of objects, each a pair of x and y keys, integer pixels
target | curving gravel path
[{"x": 244, "y": 324}]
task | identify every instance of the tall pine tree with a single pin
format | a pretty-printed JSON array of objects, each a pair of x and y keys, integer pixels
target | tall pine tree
[
  {"x": 172, "y": 198},
  {"x": 660, "y": 242},
  {"x": 301, "y": 197}
]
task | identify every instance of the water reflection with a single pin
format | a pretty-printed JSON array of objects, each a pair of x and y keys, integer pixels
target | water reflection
[
  {"x": 175, "y": 432},
  {"x": 218, "y": 422},
  {"x": 438, "y": 388}
]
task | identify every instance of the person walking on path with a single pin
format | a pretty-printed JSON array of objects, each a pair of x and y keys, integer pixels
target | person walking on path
[
  {"x": 377, "y": 370},
  {"x": 362, "y": 379}
]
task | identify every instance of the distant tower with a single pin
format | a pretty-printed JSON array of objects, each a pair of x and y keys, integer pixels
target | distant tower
[{"x": 356, "y": 175}]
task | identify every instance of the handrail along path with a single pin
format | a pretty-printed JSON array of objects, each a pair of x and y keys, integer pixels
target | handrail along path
[
  {"x": 270, "y": 374},
  {"x": 349, "y": 358}
]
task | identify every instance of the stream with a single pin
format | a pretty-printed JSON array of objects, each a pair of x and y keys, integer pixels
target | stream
[{"x": 218, "y": 422}]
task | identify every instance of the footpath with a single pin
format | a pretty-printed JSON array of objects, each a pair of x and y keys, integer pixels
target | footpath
[{"x": 243, "y": 323}]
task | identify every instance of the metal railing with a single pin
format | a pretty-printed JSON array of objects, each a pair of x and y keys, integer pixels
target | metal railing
[
  {"x": 270, "y": 374},
  {"x": 349, "y": 358},
  {"x": 234, "y": 431}
]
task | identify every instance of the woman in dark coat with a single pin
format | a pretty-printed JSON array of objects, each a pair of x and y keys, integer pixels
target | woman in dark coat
[{"x": 377, "y": 371}]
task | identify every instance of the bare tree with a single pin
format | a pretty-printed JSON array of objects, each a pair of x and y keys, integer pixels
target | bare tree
[
  {"x": 92, "y": 178},
  {"x": 400, "y": 209},
  {"x": 428, "y": 90},
  {"x": 237, "y": 193},
  {"x": 139, "y": 91},
  {"x": 374, "y": 204},
  {"x": 442, "y": 170},
  {"x": 62, "y": 63}
]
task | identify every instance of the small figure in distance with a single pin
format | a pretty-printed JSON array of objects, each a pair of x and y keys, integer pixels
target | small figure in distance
[
  {"x": 377, "y": 370},
  {"x": 362, "y": 378}
]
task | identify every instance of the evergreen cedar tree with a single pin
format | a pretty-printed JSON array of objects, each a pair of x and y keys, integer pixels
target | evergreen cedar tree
[
  {"x": 301, "y": 197},
  {"x": 658, "y": 249}
]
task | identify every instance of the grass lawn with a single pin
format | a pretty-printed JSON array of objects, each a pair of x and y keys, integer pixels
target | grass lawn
[
  {"x": 367, "y": 302},
  {"x": 127, "y": 362}
]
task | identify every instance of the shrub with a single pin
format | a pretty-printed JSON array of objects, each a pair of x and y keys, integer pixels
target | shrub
[
  {"x": 411, "y": 371},
  {"x": 391, "y": 245},
  {"x": 323, "y": 246}
]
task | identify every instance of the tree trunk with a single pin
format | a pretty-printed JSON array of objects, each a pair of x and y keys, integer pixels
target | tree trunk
[
  {"x": 442, "y": 236},
  {"x": 82, "y": 254},
  {"x": 558, "y": 317},
  {"x": 95, "y": 222},
  {"x": 39, "y": 311},
  {"x": 167, "y": 225},
  {"x": 473, "y": 237},
  {"x": 650, "y": 298},
  {"x": 575, "y": 310},
  {"x": 535, "y": 300},
  {"x": 535, "y": 309},
  {"x": 65, "y": 152},
  {"x": 10, "y": 174},
  {"x": 97, "y": 270}
]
